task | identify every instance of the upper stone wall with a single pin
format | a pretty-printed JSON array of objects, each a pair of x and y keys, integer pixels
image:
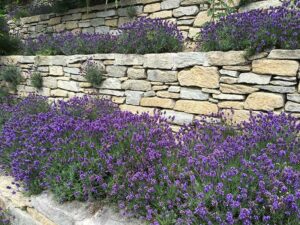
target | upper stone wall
[{"x": 189, "y": 15}]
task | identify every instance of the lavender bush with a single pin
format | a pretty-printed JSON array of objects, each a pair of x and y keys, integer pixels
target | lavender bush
[
  {"x": 255, "y": 31},
  {"x": 87, "y": 149},
  {"x": 3, "y": 218},
  {"x": 147, "y": 35},
  {"x": 144, "y": 35}
]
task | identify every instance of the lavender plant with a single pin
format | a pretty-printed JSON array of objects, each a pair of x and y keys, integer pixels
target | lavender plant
[
  {"x": 142, "y": 36},
  {"x": 255, "y": 31},
  {"x": 207, "y": 173},
  {"x": 36, "y": 80},
  {"x": 12, "y": 75},
  {"x": 147, "y": 35},
  {"x": 94, "y": 73},
  {"x": 4, "y": 220}
]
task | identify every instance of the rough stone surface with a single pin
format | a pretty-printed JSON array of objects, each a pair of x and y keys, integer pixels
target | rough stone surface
[
  {"x": 275, "y": 67},
  {"x": 170, "y": 4},
  {"x": 174, "y": 89},
  {"x": 179, "y": 118},
  {"x": 192, "y": 93},
  {"x": 111, "y": 83},
  {"x": 75, "y": 71},
  {"x": 166, "y": 94},
  {"x": 201, "y": 19},
  {"x": 198, "y": 76},
  {"x": 230, "y": 58},
  {"x": 237, "y": 89},
  {"x": 162, "y": 76},
  {"x": 129, "y": 60},
  {"x": 277, "y": 89},
  {"x": 56, "y": 70},
  {"x": 50, "y": 82},
  {"x": 159, "y": 61},
  {"x": 228, "y": 80},
  {"x": 231, "y": 105},
  {"x": 252, "y": 78},
  {"x": 158, "y": 102},
  {"x": 294, "y": 97},
  {"x": 111, "y": 92},
  {"x": 292, "y": 107},
  {"x": 136, "y": 85},
  {"x": 133, "y": 97},
  {"x": 264, "y": 101},
  {"x": 116, "y": 71},
  {"x": 186, "y": 59},
  {"x": 68, "y": 85},
  {"x": 261, "y": 5},
  {"x": 231, "y": 73},
  {"x": 136, "y": 74},
  {"x": 228, "y": 97},
  {"x": 285, "y": 54},
  {"x": 196, "y": 107},
  {"x": 185, "y": 11}
]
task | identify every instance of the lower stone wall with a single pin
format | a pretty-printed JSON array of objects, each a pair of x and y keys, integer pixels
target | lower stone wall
[
  {"x": 44, "y": 210},
  {"x": 185, "y": 85}
]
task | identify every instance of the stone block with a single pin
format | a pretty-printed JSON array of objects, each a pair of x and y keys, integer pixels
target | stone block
[
  {"x": 166, "y": 94},
  {"x": 179, "y": 118},
  {"x": 133, "y": 97},
  {"x": 136, "y": 74},
  {"x": 136, "y": 85},
  {"x": 199, "y": 76},
  {"x": 275, "y": 67},
  {"x": 56, "y": 70},
  {"x": 285, "y": 54},
  {"x": 264, "y": 101},
  {"x": 237, "y": 89},
  {"x": 252, "y": 78},
  {"x": 158, "y": 102},
  {"x": 116, "y": 71},
  {"x": 196, "y": 107},
  {"x": 185, "y": 11},
  {"x": 68, "y": 85},
  {"x": 162, "y": 76},
  {"x": 170, "y": 4},
  {"x": 230, "y": 58},
  {"x": 201, "y": 19},
  {"x": 292, "y": 107},
  {"x": 111, "y": 83},
  {"x": 193, "y": 93}
]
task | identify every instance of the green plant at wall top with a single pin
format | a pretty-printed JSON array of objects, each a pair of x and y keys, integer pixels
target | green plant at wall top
[
  {"x": 220, "y": 8},
  {"x": 131, "y": 11},
  {"x": 94, "y": 73},
  {"x": 37, "y": 80},
  {"x": 12, "y": 75}
]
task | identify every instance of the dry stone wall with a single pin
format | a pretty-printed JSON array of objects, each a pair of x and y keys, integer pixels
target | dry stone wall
[
  {"x": 189, "y": 15},
  {"x": 185, "y": 85}
]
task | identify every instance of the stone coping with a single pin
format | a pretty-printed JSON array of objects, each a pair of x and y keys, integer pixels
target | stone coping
[
  {"x": 43, "y": 209},
  {"x": 157, "y": 60}
]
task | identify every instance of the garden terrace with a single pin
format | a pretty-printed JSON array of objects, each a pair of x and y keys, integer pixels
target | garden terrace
[
  {"x": 188, "y": 15},
  {"x": 107, "y": 116},
  {"x": 86, "y": 149}
]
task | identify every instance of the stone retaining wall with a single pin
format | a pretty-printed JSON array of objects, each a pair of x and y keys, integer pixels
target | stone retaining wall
[
  {"x": 185, "y": 85},
  {"x": 189, "y": 15},
  {"x": 44, "y": 210}
]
